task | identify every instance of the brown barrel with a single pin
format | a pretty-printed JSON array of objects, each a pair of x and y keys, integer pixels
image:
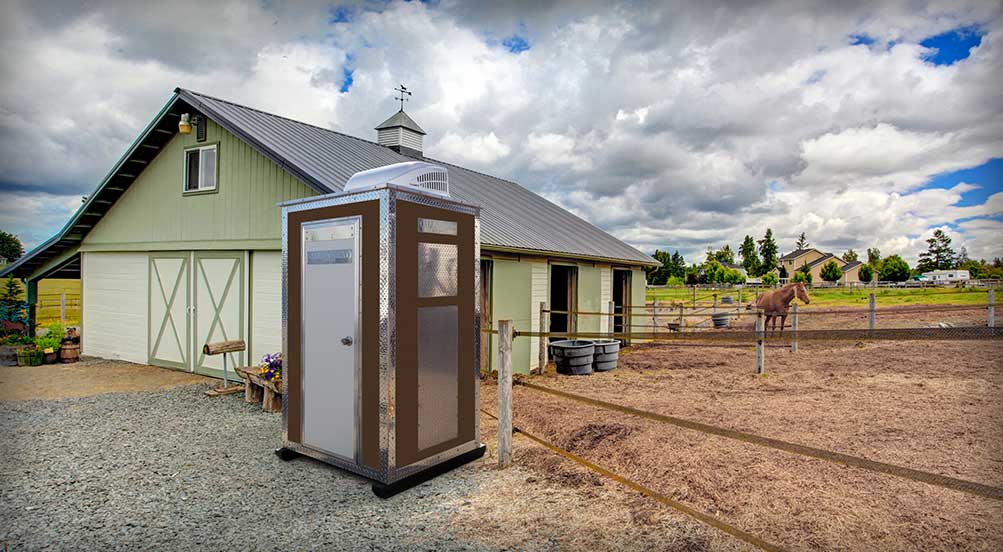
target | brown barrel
[{"x": 69, "y": 352}]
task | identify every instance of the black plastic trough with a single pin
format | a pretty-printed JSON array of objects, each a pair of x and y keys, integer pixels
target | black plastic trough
[{"x": 573, "y": 356}]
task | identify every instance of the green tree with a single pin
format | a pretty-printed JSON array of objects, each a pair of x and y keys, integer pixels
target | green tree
[
  {"x": 976, "y": 269},
  {"x": 714, "y": 272},
  {"x": 802, "y": 275},
  {"x": 657, "y": 275},
  {"x": 770, "y": 279},
  {"x": 11, "y": 304},
  {"x": 894, "y": 269},
  {"x": 732, "y": 276},
  {"x": 866, "y": 273},
  {"x": 750, "y": 258},
  {"x": 677, "y": 266},
  {"x": 850, "y": 256},
  {"x": 802, "y": 242},
  {"x": 10, "y": 247},
  {"x": 938, "y": 255},
  {"x": 724, "y": 255},
  {"x": 768, "y": 252},
  {"x": 873, "y": 257},
  {"x": 831, "y": 272},
  {"x": 962, "y": 257}
]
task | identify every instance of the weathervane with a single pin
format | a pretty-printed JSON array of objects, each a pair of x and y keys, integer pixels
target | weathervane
[{"x": 404, "y": 92}]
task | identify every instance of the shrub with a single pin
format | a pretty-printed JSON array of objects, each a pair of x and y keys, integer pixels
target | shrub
[
  {"x": 53, "y": 338},
  {"x": 675, "y": 281},
  {"x": 733, "y": 276},
  {"x": 894, "y": 269},
  {"x": 831, "y": 272},
  {"x": 770, "y": 279},
  {"x": 802, "y": 276},
  {"x": 866, "y": 273}
]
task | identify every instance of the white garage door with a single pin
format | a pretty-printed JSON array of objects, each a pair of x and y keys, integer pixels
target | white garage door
[
  {"x": 115, "y": 294},
  {"x": 266, "y": 304}
]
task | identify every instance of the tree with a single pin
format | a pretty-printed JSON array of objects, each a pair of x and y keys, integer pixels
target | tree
[
  {"x": 866, "y": 273},
  {"x": 894, "y": 269},
  {"x": 962, "y": 257},
  {"x": 677, "y": 266},
  {"x": 750, "y": 258},
  {"x": 831, "y": 272},
  {"x": 768, "y": 252},
  {"x": 802, "y": 275},
  {"x": 657, "y": 275},
  {"x": 11, "y": 304},
  {"x": 714, "y": 272},
  {"x": 10, "y": 247},
  {"x": 770, "y": 279},
  {"x": 732, "y": 276},
  {"x": 802, "y": 242},
  {"x": 873, "y": 257},
  {"x": 850, "y": 256},
  {"x": 724, "y": 255},
  {"x": 938, "y": 255}
]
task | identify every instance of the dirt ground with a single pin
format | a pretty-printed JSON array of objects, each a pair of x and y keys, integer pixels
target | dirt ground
[
  {"x": 933, "y": 406},
  {"x": 88, "y": 377}
]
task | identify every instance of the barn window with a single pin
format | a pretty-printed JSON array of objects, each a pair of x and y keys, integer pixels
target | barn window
[{"x": 200, "y": 169}]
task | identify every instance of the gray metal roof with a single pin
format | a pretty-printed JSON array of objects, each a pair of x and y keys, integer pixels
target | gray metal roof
[
  {"x": 401, "y": 119},
  {"x": 851, "y": 265},
  {"x": 797, "y": 253},
  {"x": 512, "y": 217}
]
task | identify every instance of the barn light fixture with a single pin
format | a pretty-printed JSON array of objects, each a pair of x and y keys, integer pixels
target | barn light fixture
[{"x": 185, "y": 124}]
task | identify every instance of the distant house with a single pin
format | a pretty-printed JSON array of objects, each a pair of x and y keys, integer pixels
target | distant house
[
  {"x": 815, "y": 259},
  {"x": 947, "y": 276}
]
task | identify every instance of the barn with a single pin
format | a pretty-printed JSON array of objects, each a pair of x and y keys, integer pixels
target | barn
[{"x": 180, "y": 243}]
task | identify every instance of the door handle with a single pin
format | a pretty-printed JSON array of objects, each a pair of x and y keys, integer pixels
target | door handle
[{"x": 347, "y": 341}]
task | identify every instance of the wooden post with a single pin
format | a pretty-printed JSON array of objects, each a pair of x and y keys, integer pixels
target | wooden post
[
  {"x": 794, "y": 328},
  {"x": 544, "y": 315},
  {"x": 694, "y": 295},
  {"x": 681, "y": 321},
  {"x": 873, "y": 317},
  {"x": 504, "y": 393},
  {"x": 760, "y": 335},
  {"x": 714, "y": 309},
  {"x": 654, "y": 317},
  {"x": 62, "y": 308},
  {"x": 612, "y": 316},
  {"x": 992, "y": 308},
  {"x": 739, "y": 296}
]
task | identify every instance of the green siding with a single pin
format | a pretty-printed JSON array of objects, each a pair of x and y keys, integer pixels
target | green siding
[
  {"x": 588, "y": 298},
  {"x": 155, "y": 211},
  {"x": 511, "y": 301}
]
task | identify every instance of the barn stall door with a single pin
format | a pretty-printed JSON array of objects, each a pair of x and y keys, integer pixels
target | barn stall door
[
  {"x": 169, "y": 321},
  {"x": 219, "y": 307}
]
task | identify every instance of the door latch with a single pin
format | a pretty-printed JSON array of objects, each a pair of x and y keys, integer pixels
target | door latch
[{"x": 347, "y": 341}]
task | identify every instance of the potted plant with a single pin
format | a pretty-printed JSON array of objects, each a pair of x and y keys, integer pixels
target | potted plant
[{"x": 48, "y": 344}]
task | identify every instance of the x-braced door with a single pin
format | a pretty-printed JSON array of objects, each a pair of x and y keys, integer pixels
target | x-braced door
[
  {"x": 168, "y": 342},
  {"x": 219, "y": 307}
]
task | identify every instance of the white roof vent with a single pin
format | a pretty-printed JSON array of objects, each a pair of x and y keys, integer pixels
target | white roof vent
[{"x": 424, "y": 177}]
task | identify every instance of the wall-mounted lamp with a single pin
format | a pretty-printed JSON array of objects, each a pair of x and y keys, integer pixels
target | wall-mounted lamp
[{"x": 185, "y": 124}]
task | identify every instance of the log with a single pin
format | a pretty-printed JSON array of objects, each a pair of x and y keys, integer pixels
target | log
[
  {"x": 272, "y": 401},
  {"x": 221, "y": 347}
]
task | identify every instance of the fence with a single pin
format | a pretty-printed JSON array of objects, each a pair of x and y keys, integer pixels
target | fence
[
  {"x": 58, "y": 307},
  {"x": 760, "y": 336}
]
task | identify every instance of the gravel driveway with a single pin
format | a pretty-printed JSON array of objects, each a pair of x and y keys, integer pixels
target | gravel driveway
[{"x": 151, "y": 470}]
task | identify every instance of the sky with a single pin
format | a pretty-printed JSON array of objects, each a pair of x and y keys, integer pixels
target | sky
[{"x": 672, "y": 126}]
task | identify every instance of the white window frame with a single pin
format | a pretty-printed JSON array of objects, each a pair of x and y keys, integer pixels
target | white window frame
[{"x": 184, "y": 170}]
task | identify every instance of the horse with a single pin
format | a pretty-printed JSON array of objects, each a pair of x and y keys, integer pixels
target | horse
[{"x": 776, "y": 303}]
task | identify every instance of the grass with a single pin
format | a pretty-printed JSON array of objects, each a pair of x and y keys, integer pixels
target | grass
[
  {"x": 841, "y": 297},
  {"x": 49, "y": 291}
]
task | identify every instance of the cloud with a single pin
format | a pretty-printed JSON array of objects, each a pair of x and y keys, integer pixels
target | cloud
[{"x": 669, "y": 126}]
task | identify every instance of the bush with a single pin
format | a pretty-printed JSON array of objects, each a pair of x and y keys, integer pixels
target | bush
[
  {"x": 831, "y": 272},
  {"x": 770, "y": 279},
  {"x": 866, "y": 273},
  {"x": 802, "y": 276},
  {"x": 53, "y": 338},
  {"x": 675, "y": 281},
  {"x": 733, "y": 276},
  {"x": 894, "y": 269}
]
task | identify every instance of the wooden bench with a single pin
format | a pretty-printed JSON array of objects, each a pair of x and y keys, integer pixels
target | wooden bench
[{"x": 258, "y": 390}]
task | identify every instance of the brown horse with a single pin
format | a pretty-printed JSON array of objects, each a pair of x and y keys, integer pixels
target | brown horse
[{"x": 776, "y": 303}]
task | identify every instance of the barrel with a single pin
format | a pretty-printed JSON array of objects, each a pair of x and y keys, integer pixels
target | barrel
[
  {"x": 573, "y": 356},
  {"x": 721, "y": 319},
  {"x": 606, "y": 355},
  {"x": 69, "y": 352}
]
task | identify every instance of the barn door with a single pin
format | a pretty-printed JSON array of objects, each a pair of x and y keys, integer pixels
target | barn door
[
  {"x": 218, "y": 278},
  {"x": 169, "y": 326}
]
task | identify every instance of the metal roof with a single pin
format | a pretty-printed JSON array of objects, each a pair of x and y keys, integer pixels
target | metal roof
[
  {"x": 512, "y": 217},
  {"x": 797, "y": 253},
  {"x": 851, "y": 265},
  {"x": 401, "y": 119}
]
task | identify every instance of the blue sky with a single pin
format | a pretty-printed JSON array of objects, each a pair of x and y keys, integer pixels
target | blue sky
[
  {"x": 953, "y": 45},
  {"x": 988, "y": 176}
]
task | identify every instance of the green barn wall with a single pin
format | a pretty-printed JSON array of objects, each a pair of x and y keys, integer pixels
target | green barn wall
[
  {"x": 511, "y": 301},
  {"x": 588, "y": 298},
  {"x": 241, "y": 214}
]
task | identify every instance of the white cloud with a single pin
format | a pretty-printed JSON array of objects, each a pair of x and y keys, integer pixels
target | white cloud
[{"x": 653, "y": 121}]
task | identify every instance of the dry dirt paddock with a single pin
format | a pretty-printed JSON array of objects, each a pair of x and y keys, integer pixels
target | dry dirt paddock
[{"x": 932, "y": 406}]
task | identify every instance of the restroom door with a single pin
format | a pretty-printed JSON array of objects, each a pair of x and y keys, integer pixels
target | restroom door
[{"x": 330, "y": 335}]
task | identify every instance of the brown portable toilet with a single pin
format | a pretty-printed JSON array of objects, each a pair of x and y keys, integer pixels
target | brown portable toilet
[{"x": 381, "y": 327}]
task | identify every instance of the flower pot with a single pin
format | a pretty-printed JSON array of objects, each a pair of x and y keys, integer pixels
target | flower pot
[
  {"x": 49, "y": 356},
  {"x": 24, "y": 357}
]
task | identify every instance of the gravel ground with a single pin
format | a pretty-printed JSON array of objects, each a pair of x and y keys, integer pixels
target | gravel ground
[{"x": 127, "y": 471}]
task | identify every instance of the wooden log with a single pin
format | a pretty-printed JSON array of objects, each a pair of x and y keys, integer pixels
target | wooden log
[
  {"x": 504, "y": 393},
  {"x": 272, "y": 401},
  {"x": 221, "y": 347},
  {"x": 253, "y": 393}
]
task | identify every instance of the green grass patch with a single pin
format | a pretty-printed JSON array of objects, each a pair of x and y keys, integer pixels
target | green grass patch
[{"x": 842, "y": 297}]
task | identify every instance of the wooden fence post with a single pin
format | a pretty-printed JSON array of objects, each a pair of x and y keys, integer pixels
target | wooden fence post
[
  {"x": 62, "y": 308},
  {"x": 794, "y": 328},
  {"x": 544, "y": 315},
  {"x": 992, "y": 308},
  {"x": 760, "y": 335},
  {"x": 654, "y": 317},
  {"x": 612, "y": 316},
  {"x": 694, "y": 296},
  {"x": 873, "y": 316},
  {"x": 714, "y": 309},
  {"x": 504, "y": 393},
  {"x": 681, "y": 321}
]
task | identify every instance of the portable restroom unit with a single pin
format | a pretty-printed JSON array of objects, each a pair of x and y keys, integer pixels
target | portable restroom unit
[{"x": 381, "y": 327}]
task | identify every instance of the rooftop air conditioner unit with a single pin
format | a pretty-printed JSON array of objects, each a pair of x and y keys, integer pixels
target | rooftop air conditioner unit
[{"x": 423, "y": 177}]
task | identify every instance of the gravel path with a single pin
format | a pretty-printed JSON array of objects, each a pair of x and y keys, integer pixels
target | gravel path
[{"x": 177, "y": 469}]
